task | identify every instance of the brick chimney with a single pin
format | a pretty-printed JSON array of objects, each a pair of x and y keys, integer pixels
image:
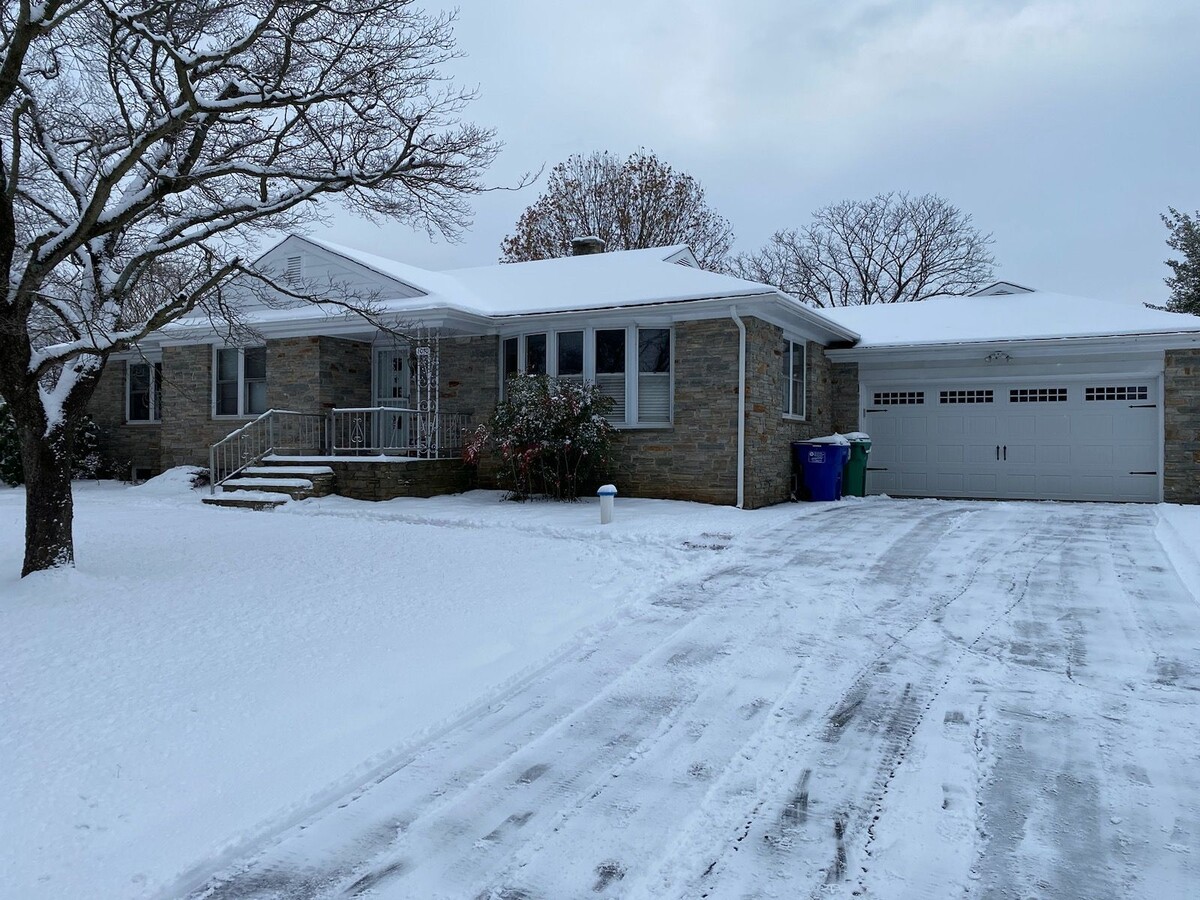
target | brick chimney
[{"x": 584, "y": 246}]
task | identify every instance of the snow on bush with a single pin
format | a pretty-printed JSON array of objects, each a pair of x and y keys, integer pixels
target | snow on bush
[
  {"x": 87, "y": 460},
  {"x": 549, "y": 437}
]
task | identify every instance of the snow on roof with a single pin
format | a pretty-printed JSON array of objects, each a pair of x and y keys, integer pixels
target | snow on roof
[
  {"x": 597, "y": 281},
  {"x": 594, "y": 281},
  {"x": 1036, "y": 315}
]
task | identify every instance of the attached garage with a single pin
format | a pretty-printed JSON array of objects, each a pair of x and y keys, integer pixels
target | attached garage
[
  {"x": 960, "y": 403},
  {"x": 1057, "y": 438}
]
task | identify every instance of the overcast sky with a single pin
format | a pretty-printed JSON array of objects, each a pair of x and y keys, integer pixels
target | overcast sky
[{"x": 1064, "y": 127}]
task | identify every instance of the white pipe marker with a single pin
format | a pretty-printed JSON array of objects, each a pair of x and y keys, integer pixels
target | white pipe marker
[{"x": 606, "y": 493}]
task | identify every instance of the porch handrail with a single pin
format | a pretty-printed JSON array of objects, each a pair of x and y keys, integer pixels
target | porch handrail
[
  {"x": 429, "y": 435},
  {"x": 247, "y": 445}
]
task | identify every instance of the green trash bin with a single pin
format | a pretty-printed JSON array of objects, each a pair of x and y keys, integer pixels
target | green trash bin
[{"x": 854, "y": 475}]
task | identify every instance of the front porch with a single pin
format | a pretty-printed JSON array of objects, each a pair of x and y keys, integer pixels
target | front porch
[{"x": 364, "y": 453}]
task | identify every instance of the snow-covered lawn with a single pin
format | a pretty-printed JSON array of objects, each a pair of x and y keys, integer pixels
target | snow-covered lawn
[
  {"x": 207, "y": 676},
  {"x": 461, "y": 698}
]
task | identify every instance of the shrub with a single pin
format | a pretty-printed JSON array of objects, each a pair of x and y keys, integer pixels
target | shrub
[
  {"x": 87, "y": 461},
  {"x": 549, "y": 437}
]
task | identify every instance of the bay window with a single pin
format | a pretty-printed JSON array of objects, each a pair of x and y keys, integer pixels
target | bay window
[
  {"x": 630, "y": 365},
  {"x": 240, "y": 381}
]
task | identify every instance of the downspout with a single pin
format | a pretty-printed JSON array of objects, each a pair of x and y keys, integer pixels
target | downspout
[{"x": 741, "y": 438}]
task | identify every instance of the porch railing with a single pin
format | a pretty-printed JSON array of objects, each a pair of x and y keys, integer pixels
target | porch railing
[
  {"x": 406, "y": 432},
  {"x": 275, "y": 431}
]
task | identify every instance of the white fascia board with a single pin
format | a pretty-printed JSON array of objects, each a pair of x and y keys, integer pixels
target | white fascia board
[
  {"x": 1030, "y": 348},
  {"x": 770, "y": 306}
]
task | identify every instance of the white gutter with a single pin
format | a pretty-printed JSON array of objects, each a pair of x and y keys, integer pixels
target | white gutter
[{"x": 741, "y": 438}]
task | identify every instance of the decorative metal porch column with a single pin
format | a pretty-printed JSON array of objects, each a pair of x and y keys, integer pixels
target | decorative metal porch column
[{"x": 427, "y": 371}]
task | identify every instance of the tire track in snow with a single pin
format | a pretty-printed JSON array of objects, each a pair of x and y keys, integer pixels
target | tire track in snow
[{"x": 883, "y": 713}]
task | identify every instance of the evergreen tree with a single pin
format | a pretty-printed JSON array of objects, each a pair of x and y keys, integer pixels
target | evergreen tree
[{"x": 1185, "y": 282}]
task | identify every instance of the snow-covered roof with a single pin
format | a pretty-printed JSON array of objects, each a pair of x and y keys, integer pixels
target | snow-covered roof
[
  {"x": 1033, "y": 315},
  {"x": 595, "y": 281}
]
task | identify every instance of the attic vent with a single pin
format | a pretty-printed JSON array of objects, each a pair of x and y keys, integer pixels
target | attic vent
[
  {"x": 295, "y": 267},
  {"x": 684, "y": 262}
]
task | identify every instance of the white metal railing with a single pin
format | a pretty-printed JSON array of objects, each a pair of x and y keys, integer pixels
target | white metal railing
[
  {"x": 275, "y": 431},
  {"x": 405, "y": 432}
]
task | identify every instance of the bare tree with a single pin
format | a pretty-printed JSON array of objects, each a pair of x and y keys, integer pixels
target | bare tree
[
  {"x": 630, "y": 204},
  {"x": 146, "y": 143},
  {"x": 892, "y": 248}
]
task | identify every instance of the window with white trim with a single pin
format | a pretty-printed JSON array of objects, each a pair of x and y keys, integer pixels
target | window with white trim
[
  {"x": 631, "y": 365},
  {"x": 610, "y": 369},
  {"x": 143, "y": 392},
  {"x": 794, "y": 386},
  {"x": 654, "y": 376},
  {"x": 240, "y": 381}
]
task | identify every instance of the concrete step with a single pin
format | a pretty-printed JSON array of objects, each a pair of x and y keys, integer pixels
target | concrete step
[
  {"x": 245, "y": 500},
  {"x": 296, "y": 488},
  {"x": 280, "y": 468}
]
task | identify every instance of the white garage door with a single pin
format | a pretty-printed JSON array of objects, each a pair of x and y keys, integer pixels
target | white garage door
[{"x": 1065, "y": 439}]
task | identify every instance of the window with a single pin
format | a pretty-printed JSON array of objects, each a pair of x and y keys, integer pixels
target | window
[
  {"x": 535, "y": 354},
  {"x": 610, "y": 369},
  {"x": 793, "y": 379},
  {"x": 632, "y": 366},
  {"x": 510, "y": 358},
  {"x": 240, "y": 382},
  {"x": 1127, "y": 392},
  {"x": 143, "y": 383},
  {"x": 968, "y": 396},
  {"x": 1037, "y": 395},
  {"x": 899, "y": 398},
  {"x": 570, "y": 355},
  {"x": 654, "y": 376}
]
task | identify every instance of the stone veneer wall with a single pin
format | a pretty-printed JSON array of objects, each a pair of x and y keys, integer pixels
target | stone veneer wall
[
  {"x": 305, "y": 374},
  {"x": 1181, "y": 418},
  {"x": 469, "y": 371},
  {"x": 768, "y": 433},
  {"x": 345, "y": 374},
  {"x": 696, "y": 458},
  {"x": 388, "y": 480},
  {"x": 188, "y": 427},
  {"x": 845, "y": 397},
  {"x": 128, "y": 445}
]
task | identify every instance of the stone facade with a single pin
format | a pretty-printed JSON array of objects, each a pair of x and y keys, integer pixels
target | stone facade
[
  {"x": 845, "y": 397},
  {"x": 470, "y": 376},
  {"x": 388, "y": 480},
  {"x": 769, "y": 433},
  {"x": 696, "y": 458},
  {"x": 135, "y": 446},
  {"x": 1181, "y": 417}
]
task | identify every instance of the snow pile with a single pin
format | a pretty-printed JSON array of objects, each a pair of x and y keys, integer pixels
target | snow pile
[{"x": 173, "y": 482}]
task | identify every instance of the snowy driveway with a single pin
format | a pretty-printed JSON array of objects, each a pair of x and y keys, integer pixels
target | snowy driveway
[{"x": 905, "y": 699}]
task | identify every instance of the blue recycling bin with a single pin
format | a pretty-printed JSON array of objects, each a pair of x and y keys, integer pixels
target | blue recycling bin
[{"x": 819, "y": 467}]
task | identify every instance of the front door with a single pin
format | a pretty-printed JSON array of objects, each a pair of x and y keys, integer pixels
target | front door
[{"x": 391, "y": 390}]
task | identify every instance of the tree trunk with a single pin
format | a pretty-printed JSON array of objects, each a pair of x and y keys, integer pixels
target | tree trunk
[{"x": 49, "y": 506}]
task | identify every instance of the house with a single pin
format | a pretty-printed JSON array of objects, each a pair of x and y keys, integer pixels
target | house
[
  {"x": 712, "y": 377},
  {"x": 669, "y": 342}
]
